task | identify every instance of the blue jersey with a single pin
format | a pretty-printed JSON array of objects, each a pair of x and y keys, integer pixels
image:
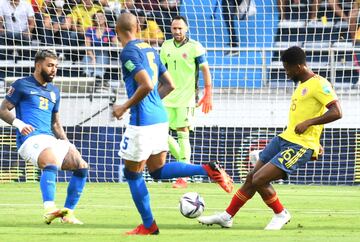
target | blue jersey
[
  {"x": 136, "y": 56},
  {"x": 34, "y": 105}
]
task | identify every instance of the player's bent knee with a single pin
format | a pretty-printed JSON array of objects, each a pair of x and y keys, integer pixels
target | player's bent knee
[
  {"x": 258, "y": 181},
  {"x": 131, "y": 175},
  {"x": 156, "y": 174},
  {"x": 83, "y": 172},
  {"x": 43, "y": 164},
  {"x": 250, "y": 176},
  {"x": 83, "y": 164}
]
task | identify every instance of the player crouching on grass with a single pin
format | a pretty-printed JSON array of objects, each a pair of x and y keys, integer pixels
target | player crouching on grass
[{"x": 40, "y": 137}]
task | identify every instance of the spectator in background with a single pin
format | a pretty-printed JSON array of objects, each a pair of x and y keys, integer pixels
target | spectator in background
[
  {"x": 168, "y": 10},
  {"x": 149, "y": 6},
  {"x": 38, "y": 7},
  {"x": 16, "y": 23},
  {"x": 334, "y": 5},
  {"x": 109, "y": 13},
  {"x": 150, "y": 30},
  {"x": 79, "y": 20},
  {"x": 98, "y": 36},
  {"x": 56, "y": 29},
  {"x": 229, "y": 10},
  {"x": 354, "y": 29}
]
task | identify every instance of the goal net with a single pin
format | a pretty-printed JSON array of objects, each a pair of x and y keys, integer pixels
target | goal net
[{"x": 251, "y": 92}]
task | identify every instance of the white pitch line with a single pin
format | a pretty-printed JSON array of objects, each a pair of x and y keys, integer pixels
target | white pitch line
[{"x": 303, "y": 211}]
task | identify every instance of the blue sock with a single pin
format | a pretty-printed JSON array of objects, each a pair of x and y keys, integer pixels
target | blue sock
[
  {"x": 48, "y": 183},
  {"x": 140, "y": 196},
  {"x": 75, "y": 188},
  {"x": 178, "y": 169}
]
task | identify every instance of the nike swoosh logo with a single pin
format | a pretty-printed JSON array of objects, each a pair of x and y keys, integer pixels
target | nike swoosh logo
[{"x": 32, "y": 92}]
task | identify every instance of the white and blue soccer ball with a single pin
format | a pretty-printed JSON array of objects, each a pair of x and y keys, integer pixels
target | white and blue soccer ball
[{"x": 191, "y": 205}]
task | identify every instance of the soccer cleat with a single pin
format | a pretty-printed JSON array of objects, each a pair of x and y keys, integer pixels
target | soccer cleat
[
  {"x": 141, "y": 230},
  {"x": 216, "y": 173},
  {"x": 49, "y": 216},
  {"x": 180, "y": 183},
  {"x": 70, "y": 218},
  {"x": 216, "y": 219},
  {"x": 279, "y": 220}
]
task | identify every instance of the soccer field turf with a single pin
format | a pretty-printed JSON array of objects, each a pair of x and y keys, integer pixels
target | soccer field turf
[{"x": 319, "y": 213}]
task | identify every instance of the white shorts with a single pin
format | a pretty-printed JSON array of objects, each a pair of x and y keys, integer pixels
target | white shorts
[
  {"x": 33, "y": 146},
  {"x": 139, "y": 142}
]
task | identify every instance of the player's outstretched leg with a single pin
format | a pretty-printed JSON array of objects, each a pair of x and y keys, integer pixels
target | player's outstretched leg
[
  {"x": 223, "y": 219},
  {"x": 75, "y": 188},
  {"x": 179, "y": 169},
  {"x": 218, "y": 174}
]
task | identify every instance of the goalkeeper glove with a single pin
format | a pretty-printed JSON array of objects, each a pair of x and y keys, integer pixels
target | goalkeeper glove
[{"x": 206, "y": 100}]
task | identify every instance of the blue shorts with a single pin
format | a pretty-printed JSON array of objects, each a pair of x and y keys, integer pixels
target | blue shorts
[{"x": 285, "y": 155}]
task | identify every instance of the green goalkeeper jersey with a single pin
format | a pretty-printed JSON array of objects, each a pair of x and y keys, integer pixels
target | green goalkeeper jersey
[{"x": 183, "y": 62}]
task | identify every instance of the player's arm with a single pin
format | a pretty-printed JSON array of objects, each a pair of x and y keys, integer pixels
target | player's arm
[
  {"x": 334, "y": 113},
  {"x": 206, "y": 100},
  {"x": 8, "y": 117},
  {"x": 353, "y": 16},
  {"x": 166, "y": 84},
  {"x": 145, "y": 86},
  {"x": 57, "y": 128}
]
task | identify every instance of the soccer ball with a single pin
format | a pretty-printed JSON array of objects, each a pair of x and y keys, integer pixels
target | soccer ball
[{"x": 191, "y": 205}]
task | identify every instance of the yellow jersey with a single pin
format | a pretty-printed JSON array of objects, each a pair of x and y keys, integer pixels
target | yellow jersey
[
  {"x": 308, "y": 101},
  {"x": 82, "y": 16},
  {"x": 152, "y": 31}
]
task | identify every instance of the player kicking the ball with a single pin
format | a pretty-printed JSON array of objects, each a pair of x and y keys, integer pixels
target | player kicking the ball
[
  {"x": 299, "y": 143},
  {"x": 40, "y": 137},
  {"x": 145, "y": 141}
]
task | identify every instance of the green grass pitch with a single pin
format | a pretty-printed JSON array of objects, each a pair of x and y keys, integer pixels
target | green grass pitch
[{"x": 319, "y": 213}]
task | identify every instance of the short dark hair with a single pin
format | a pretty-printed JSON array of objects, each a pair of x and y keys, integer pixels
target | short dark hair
[
  {"x": 178, "y": 17},
  {"x": 43, "y": 54},
  {"x": 294, "y": 56}
]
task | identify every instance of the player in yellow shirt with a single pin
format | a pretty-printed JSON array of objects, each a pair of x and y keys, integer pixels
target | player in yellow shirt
[
  {"x": 150, "y": 30},
  {"x": 313, "y": 104}
]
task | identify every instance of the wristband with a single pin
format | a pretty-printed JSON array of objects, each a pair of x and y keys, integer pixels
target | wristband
[{"x": 18, "y": 124}]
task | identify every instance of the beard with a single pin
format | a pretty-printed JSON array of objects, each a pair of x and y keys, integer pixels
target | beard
[{"x": 46, "y": 77}]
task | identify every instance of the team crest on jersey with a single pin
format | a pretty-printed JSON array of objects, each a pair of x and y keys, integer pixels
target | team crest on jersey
[
  {"x": 326, "y": 89},
  {"x": 129, "y": 65},
  {"x": 53, "y": 97},
  {"x": 184, "y": 55},
  {"x": 10, "y": 91},
  {"x": 304, "y": 91}
]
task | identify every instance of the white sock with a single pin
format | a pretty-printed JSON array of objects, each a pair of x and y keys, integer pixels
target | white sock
[
  {"x": 49, "y": 204},
  {"x": 225, "y": 216}
]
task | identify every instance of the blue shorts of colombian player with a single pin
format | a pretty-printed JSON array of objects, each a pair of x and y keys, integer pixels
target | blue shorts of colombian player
[{"x": 285, "y": 155}]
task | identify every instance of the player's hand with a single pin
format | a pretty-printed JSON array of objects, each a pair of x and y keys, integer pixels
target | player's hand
[
  {"x": 27, "y": 129},
  {"x": 206, "y": 100},
  {"x": 119, "y": 111},
  {"x": 302, "y": 127}
]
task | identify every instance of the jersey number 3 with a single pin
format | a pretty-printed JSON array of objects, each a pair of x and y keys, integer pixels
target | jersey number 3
[{"x": 44, "y": 103}]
